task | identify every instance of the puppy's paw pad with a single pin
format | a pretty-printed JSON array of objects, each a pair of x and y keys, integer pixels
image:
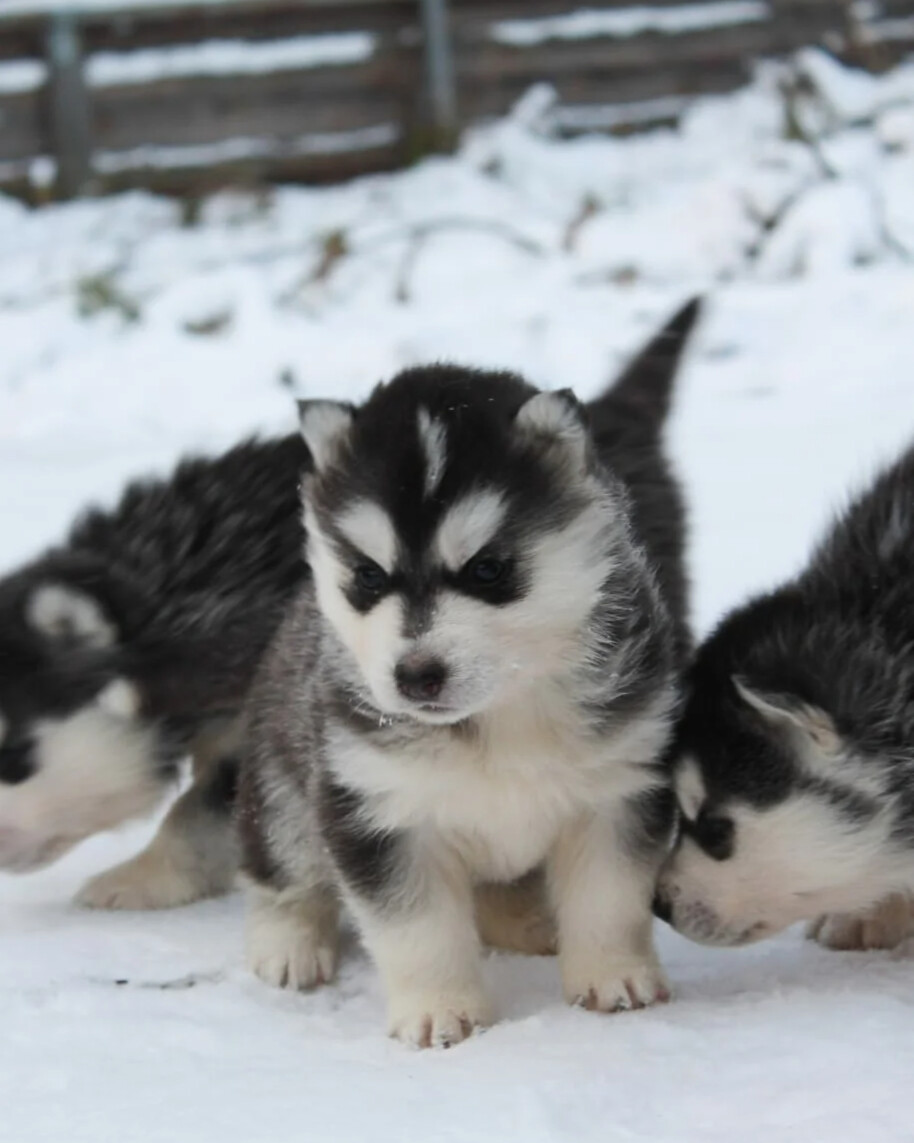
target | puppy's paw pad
[
  {"x": 286, "y": 953},
  {"x": 138, "y": 884},
  {"x": 627, "y": 988},
  {"x": 441, "y": 1022}
]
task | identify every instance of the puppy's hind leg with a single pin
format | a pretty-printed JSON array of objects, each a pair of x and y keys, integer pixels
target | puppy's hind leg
[
  {"x": 516, "y": 916},
  {"x": 195, "y": 853}
]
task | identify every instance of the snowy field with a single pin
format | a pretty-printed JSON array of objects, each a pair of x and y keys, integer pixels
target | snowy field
[{"x": 131, "y": 333}]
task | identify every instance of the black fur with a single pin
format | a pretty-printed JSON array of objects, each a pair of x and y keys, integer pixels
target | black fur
[
  {"x": 838, "y": 638},
  {"x": 626, "y": 426},
  {"x": 193, "y": 571}
]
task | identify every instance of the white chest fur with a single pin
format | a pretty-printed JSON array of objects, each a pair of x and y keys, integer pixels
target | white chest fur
[{"x": 500, "y": 794}]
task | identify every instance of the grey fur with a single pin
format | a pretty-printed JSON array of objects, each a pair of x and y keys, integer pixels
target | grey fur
[
  {"x": 803, "y": 700},
  {"x": 311, "y": 831}
]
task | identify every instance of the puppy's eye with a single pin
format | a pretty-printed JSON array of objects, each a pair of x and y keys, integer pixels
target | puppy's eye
[
  {"x": 485, "y": 571},
  {"x": 17, "y": 763},
  {"x": 371, "y": 578},
  {"x": 714, "y": 835}
]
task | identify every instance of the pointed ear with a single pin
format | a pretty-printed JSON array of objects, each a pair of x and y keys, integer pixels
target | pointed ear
[
  {"x": 790, "y": 713},
  {"x": 63, "y": 613},
  {"x": 324, "y": 425},
  {"x": 556, "y": 419}
]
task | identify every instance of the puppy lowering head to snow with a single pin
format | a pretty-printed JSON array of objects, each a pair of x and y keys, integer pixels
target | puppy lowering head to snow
[
  {"x": 480, "y": 679},
  {"x": 795, "y": 756}
]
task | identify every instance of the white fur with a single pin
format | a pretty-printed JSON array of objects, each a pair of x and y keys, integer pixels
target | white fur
[
  {"x": 324, "y": 425},
  {"x": 120, "y": 699},
  {"x": 550, "y": 415},
  {"x": 369, "y": 529},
  {"x": 291, "y": 943},
  {"x": 809, "y": 722},
  {"x": 429, "y": 957},
  {"x": 60, "y": 612},
  {"x": 529, "y": 781},
  {"x": 690, "y": 788},
  {"x": 94, "y": 771},
  {"x": 600, "y": 893},
  {"x": 790, "y": 862},
  {"x": 468, "y": 526},
  {"x": 433, "y": 438},
  {"x": 501, "y": 797}
]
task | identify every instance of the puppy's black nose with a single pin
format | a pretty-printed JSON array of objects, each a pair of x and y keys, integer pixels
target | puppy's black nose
[
  {"x": 421, "y": 681},
  {"x": 662, "y": 908}
]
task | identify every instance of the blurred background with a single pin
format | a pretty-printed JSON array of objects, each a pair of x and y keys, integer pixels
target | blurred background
[{"x": 210, "y": 206}]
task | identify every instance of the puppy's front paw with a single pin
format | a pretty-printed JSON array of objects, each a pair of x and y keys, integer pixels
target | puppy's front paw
[
  {"x": 440, "y": 1020},
  {"x": 288, "y": 951},
  {"x": 884, "y": 926},
  {"x": 148, "y": 881},
  {"x": 616, "y": 985}
]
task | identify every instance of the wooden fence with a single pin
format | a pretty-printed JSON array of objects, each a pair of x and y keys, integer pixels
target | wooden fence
[{"x": 183, "y": 95}]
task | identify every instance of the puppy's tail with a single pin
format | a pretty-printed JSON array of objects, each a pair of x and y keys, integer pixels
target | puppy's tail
[{"x": 638, "y": 402}]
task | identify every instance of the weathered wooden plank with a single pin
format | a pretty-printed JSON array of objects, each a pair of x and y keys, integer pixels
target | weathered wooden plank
[
  {"x": 484, "y": 101},
  {"x": 311, "y": 169},
  {"x": 21, "y": 126},
  {"x": 286, "y": 105},
  {"x": 649, "y": 50}
]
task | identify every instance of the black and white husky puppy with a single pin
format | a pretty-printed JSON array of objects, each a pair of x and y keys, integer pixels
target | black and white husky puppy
[
  {"x": 133, "y": 644},
  {"x": 795, "y": 756},
  {"x": 481, "y": 678}
]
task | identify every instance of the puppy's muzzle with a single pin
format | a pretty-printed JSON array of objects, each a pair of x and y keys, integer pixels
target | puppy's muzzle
[{"x": 420, "y": 680}]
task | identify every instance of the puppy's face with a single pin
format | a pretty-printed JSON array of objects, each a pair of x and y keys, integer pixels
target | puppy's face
[
  {"x": 457, "y": 537},
  {"x": 74, "y": 757},
  {"x": 779, "y": 821}
]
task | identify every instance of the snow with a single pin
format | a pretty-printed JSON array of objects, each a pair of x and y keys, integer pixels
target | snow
[
  {"x": 228, "y": 57},
  {"x": 19, "y": 76},
  {"x": 132, "y": 333},
  {"x": 235, "y": 150},
  {"x": 586, "y": 23}
]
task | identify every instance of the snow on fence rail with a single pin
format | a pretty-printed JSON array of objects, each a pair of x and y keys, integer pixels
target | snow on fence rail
[{"x": 184, "y": 94}]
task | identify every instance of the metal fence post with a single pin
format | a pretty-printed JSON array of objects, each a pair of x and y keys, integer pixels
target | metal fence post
[
  {"x": 439, "y": 68},
  {"x": 68, "y": 105}
]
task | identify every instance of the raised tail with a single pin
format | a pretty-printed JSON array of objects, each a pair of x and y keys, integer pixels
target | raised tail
[{"x": 639, "y": 399}]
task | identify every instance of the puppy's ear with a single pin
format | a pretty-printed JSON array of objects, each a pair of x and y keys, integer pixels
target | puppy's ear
[
  {"x": 787, "y": 712},
  {"x": 324, "y": 425},
  {"x": 556, "y": 420},
  {"x": 66, "y": 614}
]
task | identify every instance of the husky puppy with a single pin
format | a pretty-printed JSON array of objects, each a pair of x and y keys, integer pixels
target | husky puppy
[
  {"x": 794, "y": 760},
  {"x": 480, "y": 678},
  {"x": 133, "y": 644}
]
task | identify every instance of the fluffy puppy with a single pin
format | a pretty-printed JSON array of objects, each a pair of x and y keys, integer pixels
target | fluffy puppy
[
  {"x": 480, "y": 678},
  {"x": 794, "y": 760}
]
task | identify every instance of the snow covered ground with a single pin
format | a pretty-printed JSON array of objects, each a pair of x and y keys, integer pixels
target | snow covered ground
[{"x": 130, "y": 333}]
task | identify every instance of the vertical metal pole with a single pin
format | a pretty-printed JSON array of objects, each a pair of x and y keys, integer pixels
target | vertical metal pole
[
  {"x": 68, "y": 105},
  {"x": 439, "y": 66}
]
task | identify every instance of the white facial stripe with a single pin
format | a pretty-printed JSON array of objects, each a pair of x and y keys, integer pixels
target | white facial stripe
[
  {"x": 368, "y": 527},
  {"x": 61, "y": 612},
  {"x": 433, "y": 438},
  {"x": 690, "y": 789},
  {"x": 469, "y": 525}
]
